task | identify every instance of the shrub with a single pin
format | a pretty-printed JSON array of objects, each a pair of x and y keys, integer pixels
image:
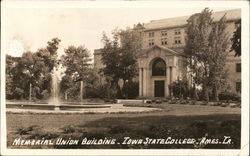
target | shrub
[
  {"x": 118, "y": 129},
  {"x": 95, "y": 91},
  {"x": 18, "y": 93},
  {"x": 131, "y": 89},
  {"x": 41, "y": 134},
  {"x": 45, "y": 94},
  {"x": 36, "y": 92},
  {"x": 24, "y": 131},
  {"x": 228, "y": 96},
  {"x": 180, "y": 88},
  {"x": 100, "y": 91},
  {"x": 74, "y": 92},
  {"x": 68, "y": 129}
]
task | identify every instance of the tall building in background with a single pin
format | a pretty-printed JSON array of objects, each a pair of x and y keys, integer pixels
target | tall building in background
[{"x": 162, "y": 61}]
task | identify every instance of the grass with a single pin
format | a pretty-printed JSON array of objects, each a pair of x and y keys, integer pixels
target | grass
[{"x": 154, "y": 125}]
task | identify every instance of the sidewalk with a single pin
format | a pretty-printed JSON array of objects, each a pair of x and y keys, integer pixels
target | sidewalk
[{"x": 113, "y": 108}]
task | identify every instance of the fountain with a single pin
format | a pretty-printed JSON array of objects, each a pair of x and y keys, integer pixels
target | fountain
[
  {"x": 55, "y": 89},
  {"x": 55, "y": 105}
]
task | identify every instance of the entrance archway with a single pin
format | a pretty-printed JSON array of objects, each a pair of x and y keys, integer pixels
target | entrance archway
[
  {"x": 159, "y": 76},
  {"x": 159, "y": 67},
  {"x": 157, "y": 70}
]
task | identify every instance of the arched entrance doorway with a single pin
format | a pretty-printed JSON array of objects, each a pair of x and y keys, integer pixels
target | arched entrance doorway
[
  {"x": 158, "y": 68},
  {"x": 159, "y": 76}
]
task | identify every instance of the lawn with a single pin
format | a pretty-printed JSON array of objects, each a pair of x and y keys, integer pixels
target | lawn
[{"x": 136, "y": 126}]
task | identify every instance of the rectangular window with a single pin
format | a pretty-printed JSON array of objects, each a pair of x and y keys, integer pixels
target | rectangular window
[
  {"x": 185, "y": 31},
  {"x": 177, "y": 32},
  {"x": 164, "y": 41},
  {"x": 186, "y": 39},
  {"x": 164, "y": 33},
  {"x": 238, "y": 87},
  {"x": 151, "y": 34},
  {"x": 177, "y": 40},
  {"x": 151, "y": 42},
  {"x": 238, "y": 67}
]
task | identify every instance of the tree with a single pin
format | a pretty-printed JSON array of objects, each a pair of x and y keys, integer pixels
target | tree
[
  {"x": 11, "y": 62},
  {"x": 53, "y": 46},
  {"x": 95, "y": 87},
  {"x": 77, "y": 63},
  {"x": 29, "y": 70},
  {"x": 218, "y": 50},
  {"x": 119, "y": 56},
  {"x": 198, "y": 28},
  {"x": 32, "y": 68},
  {"x": 206, "y": 50},
  {"x": 49, "y": 54},
  {"x": 236, "y": 46},
  {"x": 180, "y": 88}
]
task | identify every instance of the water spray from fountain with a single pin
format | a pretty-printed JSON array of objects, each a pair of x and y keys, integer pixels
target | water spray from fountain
[{"x": 56, "y": 78}]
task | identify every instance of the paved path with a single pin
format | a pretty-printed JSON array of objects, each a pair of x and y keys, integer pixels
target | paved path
[
  {"x": 114, "y": 108},
  {"x": 170, "y": 109}
]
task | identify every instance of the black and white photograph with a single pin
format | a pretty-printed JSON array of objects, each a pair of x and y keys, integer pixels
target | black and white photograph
[{"x": 143, "y": 77}]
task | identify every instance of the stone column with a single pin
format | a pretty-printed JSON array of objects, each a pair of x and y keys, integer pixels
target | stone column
[
  {"x": 148, "y": 86},
  {"x": 140, "y": 81},
  {"x": 170, "y": 79},
  {"x": 166, "y": 83},
  {"x": 144, "y": 84},
  {"x": 174, "y": 74}
]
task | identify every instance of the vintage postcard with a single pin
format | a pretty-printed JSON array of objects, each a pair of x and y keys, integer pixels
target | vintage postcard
[{"x": 124, "y": 78}]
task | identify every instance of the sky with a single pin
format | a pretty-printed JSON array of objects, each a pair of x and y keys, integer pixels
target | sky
[{"x": 28, "y": 29}]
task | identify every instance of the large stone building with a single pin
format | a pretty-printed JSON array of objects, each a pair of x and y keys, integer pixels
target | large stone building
[{"x": 161, "y": 61}]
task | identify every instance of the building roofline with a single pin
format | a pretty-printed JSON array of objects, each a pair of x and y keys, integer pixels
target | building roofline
[
  {"x": 181, "y": 26},
  {"x": 183, "y": 23},
  {"x": 98, "y": 51}
]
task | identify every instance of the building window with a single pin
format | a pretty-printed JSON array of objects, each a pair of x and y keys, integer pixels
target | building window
[
  {"x": 177, "y": 40},
  {"x": 186, "y": 38},
  {"x": 151, "y": 34},
  {"x": 238, "y": 67},
  {"x": 164, "y": 41},
  {"x": 177, "y": 32},
  {"x": 151, "y": 42},
  {"x": 238, "y": 87},
  {"x": 185, "y": 31},
  {"x": 164, "y": 33},
  {"x": 159, "y": 67}
]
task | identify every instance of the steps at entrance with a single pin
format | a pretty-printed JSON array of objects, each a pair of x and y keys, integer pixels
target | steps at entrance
[{"x": 124, "y": 101}]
